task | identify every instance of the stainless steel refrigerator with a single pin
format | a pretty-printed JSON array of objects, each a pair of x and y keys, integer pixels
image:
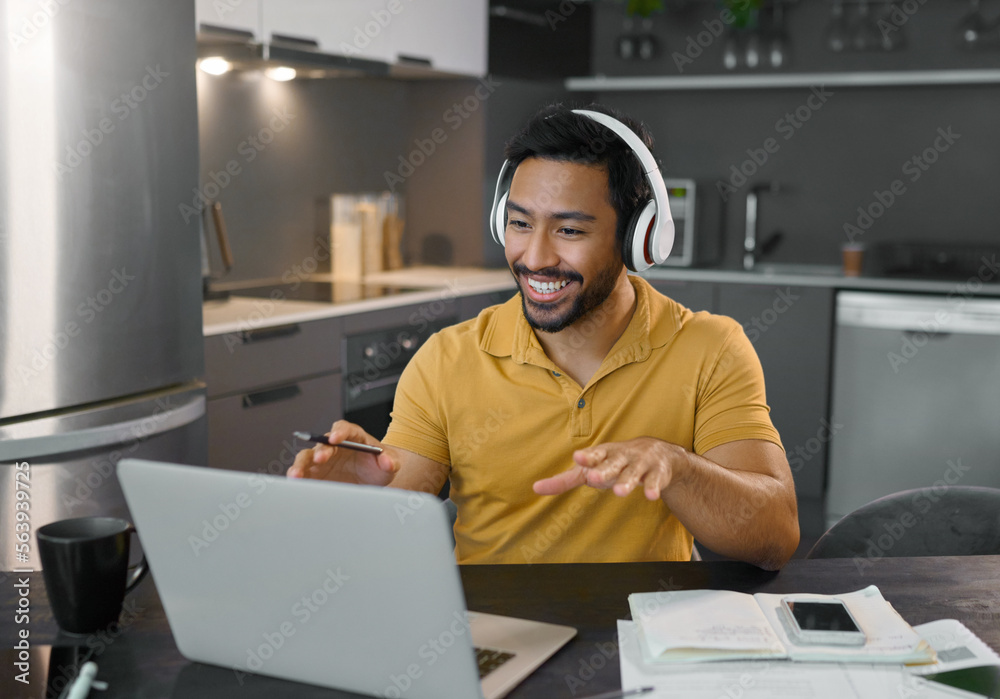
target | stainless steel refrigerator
[{"x": 100, "y": 271}]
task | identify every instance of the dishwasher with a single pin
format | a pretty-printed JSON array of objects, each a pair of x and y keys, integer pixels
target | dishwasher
[{"x": 916, "y": 396}]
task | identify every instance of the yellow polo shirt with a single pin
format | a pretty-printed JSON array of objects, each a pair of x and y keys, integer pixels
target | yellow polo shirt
[{"x": 483, "y": 398}]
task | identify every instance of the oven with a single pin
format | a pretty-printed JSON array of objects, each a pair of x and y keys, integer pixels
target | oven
[{"x": 373, "y": 362}]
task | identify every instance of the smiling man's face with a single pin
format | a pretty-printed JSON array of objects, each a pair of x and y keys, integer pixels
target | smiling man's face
[{"x": 560, "y": 241}]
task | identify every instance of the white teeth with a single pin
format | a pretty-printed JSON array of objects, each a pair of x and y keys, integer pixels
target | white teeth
[{"x": 546, "y": 287}]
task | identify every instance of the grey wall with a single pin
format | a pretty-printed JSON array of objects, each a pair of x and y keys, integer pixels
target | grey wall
[
  {"x": 857, "y": 141},
  {"x": 344, "y": 135}
]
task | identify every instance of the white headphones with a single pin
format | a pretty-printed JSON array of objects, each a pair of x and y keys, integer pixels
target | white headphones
[{"x": 649, "y": 236}]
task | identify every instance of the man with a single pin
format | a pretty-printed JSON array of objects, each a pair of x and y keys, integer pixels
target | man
[{"x": 548, "y": 411}]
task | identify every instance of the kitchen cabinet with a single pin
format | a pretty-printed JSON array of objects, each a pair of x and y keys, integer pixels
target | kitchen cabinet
[
  {"x": 470, "y": 306},
  {"x": 239, "y": 15},
  {"x": 450, "y": 34},
  {"x": 791, "y": 328},
  {"x": 698, "y": 296},
  {"x": 265, "y": 383},
  {"x": 353, "y": 28},
  {"x": 446, "y": 35}
]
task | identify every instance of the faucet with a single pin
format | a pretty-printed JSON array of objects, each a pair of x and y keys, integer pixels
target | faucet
[{"x": 750, "y": 239}]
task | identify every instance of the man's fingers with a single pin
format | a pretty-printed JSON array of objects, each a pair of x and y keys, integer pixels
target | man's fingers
[
  {"x": 628, "y": 479},
  {"x": 556, "y": 485}
]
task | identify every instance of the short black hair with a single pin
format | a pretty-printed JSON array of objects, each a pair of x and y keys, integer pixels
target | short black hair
[{"x": 557, "y": 133}]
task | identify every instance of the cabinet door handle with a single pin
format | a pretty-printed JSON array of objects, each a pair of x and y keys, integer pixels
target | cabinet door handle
[
  {"x": 356, "y": 389},
  {"x": 300, "y": 41},
  {"x": 271, "y": 395},
  {"x": 931, "y": 334},
  {"x": 418, "y": 60},
  {"x": 278, "y": 331}
]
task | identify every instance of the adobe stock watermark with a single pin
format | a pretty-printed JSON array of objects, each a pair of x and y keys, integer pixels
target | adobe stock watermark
[
  {"x": 784, "y": 299},
  {"x": 223, "y": 8},
  {"x": 300, "y": 613},
  {"x": 913, "y": 169},
  {"x": 881, "y": 543},
  {"x": 915, "y": 340},
  {"x": 804, "y": 453},
  {"x": 608, "y": 651},
  {"x": 696, "y": 44},
  {"x": 430, "y": 652},
  {"x": 898, "y": 16},
  {"x": 121, "y": 107},
  {"x": 557, "y": 526},
  {"x": 453, "y": 117},
  {"x": 786, "y": 127},
  {"x": 249, "y": 148},
  {"x": 229, "y": 512},
  {"x": 32, "y": 25},
  {"x": 102, "y": 468},
  {"x": 385, "y": 354},
  {"x": 87, "y": 312},
  {"x": 364, "y": 34},
  {"x": 264, "y": 308}
]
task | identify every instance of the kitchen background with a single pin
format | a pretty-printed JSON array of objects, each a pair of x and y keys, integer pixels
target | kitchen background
[
  {"x": 349, "y": 133},
  {"x": 821, "y": 152},
  {"x": 926, "y": 126}
]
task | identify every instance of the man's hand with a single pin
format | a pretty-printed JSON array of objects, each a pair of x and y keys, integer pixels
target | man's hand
[
  {"x": 738, "y": 498},
  {"x": 324, "y": 462},
  {"x": 619, "y": 466}
]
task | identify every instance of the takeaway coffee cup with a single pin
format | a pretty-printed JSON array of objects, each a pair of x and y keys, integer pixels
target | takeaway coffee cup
[
  {"x": 853, "y": 255},
  {"x": 85, "y": 566}
]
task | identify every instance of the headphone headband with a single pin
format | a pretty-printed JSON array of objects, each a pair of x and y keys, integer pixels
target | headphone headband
[{"x": 650, "y": 236}]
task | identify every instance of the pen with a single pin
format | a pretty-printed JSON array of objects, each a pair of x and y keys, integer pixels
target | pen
[
  {"x": 616, "y": 694},
  {"x": 81, "y": 685},
  {"x": 322, "y": 439}
]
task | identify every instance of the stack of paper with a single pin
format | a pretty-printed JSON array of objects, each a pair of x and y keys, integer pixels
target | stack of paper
[
  {"x": 722, "y": 626},
  {"x": 707, "y": 625}
]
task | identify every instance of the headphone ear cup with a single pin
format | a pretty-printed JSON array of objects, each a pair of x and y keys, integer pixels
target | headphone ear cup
[
  {"x": 500, "y": 219},
  {"x": 636, "y": 248}
]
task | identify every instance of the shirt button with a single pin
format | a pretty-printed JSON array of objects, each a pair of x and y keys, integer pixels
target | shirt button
[
  {"x": 556, "y": 373},
  {"x": 581, "y": 403}
]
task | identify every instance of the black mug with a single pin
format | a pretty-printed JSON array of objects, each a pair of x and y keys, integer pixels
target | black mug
[{"x": 85, "y": 566}]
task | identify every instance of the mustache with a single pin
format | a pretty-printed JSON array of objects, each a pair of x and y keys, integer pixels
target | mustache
[{"x": 548, "y": 273}]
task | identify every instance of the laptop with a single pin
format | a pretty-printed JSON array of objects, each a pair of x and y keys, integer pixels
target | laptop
[{"x": 344, "y": 586}]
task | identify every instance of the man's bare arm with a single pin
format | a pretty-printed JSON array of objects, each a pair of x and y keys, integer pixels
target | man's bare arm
[{"x": 738, "y": 499}]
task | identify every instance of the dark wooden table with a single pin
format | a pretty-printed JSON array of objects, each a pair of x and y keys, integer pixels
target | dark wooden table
[{"x": 141, "y": 660}]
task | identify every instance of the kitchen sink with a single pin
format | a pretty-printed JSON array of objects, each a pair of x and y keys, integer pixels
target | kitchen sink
[{"x": 798, "y": 269}]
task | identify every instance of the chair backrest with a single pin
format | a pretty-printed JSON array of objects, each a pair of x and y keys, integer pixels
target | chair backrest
[{"x": 933, "y": 521}]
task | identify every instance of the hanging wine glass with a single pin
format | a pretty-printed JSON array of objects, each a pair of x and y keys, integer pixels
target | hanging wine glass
[
  {"x": 867, "y": 36},
  {"x": 972, "y": 28},
  {"x": 837, "y": 29}
]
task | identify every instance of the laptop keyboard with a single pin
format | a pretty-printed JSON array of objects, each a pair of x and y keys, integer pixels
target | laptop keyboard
[{"x": 490, "y": 659}]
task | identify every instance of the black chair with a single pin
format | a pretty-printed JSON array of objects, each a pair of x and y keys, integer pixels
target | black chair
[{"x": 934, "y": 521}]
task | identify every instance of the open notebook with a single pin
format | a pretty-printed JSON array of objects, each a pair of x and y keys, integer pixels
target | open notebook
[{"x": 702, "y": 625}]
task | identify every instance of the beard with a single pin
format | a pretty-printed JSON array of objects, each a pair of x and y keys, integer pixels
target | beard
[{"x": 545, "y": 316}]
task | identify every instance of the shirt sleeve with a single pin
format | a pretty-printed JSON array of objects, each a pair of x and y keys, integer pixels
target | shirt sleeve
[
  {"x": 418, "y": 420},
  {"x": 732, "y": 404}
]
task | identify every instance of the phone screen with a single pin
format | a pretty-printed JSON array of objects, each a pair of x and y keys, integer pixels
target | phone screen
[{"x": 822, "y": 616}]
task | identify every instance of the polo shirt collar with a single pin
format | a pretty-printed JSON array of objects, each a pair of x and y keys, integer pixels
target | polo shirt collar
[{"x": 654, "y": 323}]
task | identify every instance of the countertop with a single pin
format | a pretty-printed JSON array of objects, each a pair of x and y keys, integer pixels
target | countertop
[
  {"x": 985, "y": 283},
  {"x": 240, "y": 313}
]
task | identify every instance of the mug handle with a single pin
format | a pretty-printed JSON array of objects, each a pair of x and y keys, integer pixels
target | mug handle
[{"x": 138, "y": 572}]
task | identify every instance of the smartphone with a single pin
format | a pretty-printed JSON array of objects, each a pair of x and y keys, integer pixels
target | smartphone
[{"x": 821, "y": 622}]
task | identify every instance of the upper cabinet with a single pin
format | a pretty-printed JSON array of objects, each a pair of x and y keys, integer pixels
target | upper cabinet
[
  {"x": 352, "y": 28},
  {"x": 412, "y": 36},
  {"x": 239, "y": 15},
  {"x": 449, "y": 34}
]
